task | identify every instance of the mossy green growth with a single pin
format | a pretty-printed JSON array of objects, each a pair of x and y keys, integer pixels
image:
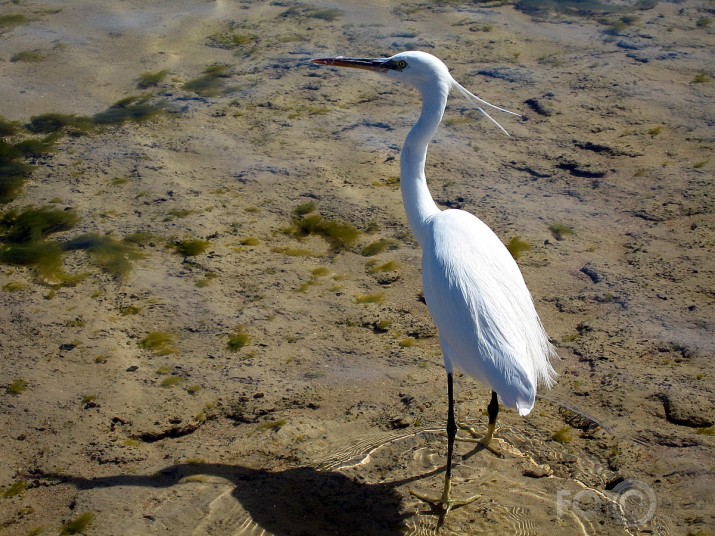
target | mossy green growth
[
  {"x": 231, "y": 40},
  {"x": 517, "y": 246},
  {"x": 112, "y": 256},
  {"x": 378, "y": 247},
  {"x": 212, "y": 83},
  {"x": 18, "y": 488},
  {"x": 29, "y": 56},
  {"x": 326, "y": 14},
  {"x": 14, "y": 286},
  {"x": 172, "y": 381},
  {"x": 382, "y": 326},
  {"x": 14, "y": 170},
  {"x": 35, "y": 148},
  {"x": 159, "y": 343},
  {"x": 54, "y": 122},
  {"x": 295, "y": 252},
  {"x": 78, "y": 525},
  {"x": 17, "y": 387},
  {"x": 563, "y": 435},
  {"x": 7, "y": 128},
  {"x": 321, "y": 271},
  {"x": 12, "y": 177},
  {"x": 139, "y": 239},
  {"x": 701, "y": 78},
  {"x": 180, "y": 212},
  {"x": 655, "y": 131},
  {"x": 149, "y": 79},
  {"x": 23, "y": 241},
  {"x": 370, "y": 298},
  {"x": 136, "y": 108},
  {"x": 206, "y": 280},
  {"x": 340, "y": 235},
  {"x": 304, "y": 208},
  {"x": 372, "y": 267},
  {"x": 238, "y": 339},
  {"x": 559, "y": 231},
  {"x": 272, "y": 425},
  {"x": 33, "y": 224},
  {"x": 43, "y": 256},
  {"x": 8, "y": 22},
  {"x": 191, "y": 248},
  {"x": 129, "y": 310}
]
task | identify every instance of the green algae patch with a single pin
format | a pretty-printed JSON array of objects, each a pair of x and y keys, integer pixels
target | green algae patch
[
  {"x": 238, "y": 339},
  {"x": 111, "y": 255},
  {"x": 377, "y": 247},
  {"x": 516, "y": 246},
  {"x": 135, "y": 108},
  {"x": 17, "y": 387},
  {"x": 43, "y": 256},
  {"x": 159, "y": 343},
  {"x": 8, "y": 22},
  {"x": 340, "y": 235},
  {"x": 24, "y": 241},
  {"x": 14, "y": 168},
  {"x": 33, "y": 224},
  {"x": 149, "y": 79},
  {"x": 7, "y": 128},
  {"x": 191, "y": 248},
  {"x": 78, "y": 525},
  {"x": 28, "y": 56},
  {"x": 54, "y": 122},
  {"x": 212, "y": 83}
]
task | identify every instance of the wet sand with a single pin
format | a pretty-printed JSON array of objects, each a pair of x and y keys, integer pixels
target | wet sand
[{"x": 294, "y": 385}]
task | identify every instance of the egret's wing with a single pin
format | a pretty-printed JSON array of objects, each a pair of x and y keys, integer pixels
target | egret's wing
[{"x": 486, "y": 319}]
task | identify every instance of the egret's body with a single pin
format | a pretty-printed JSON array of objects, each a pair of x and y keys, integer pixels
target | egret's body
[
  {"x": 488, "y": 326},
  {"x": 470, "y": 283}
]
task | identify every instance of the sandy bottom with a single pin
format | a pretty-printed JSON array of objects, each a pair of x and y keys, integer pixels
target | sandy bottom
[{"x": 282, "y": 384}]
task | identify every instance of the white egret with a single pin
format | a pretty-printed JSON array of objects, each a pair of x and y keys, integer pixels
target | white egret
[{"x": 488, "y": 326}]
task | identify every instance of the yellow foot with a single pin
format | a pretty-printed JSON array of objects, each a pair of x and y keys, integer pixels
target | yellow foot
[
  {"x": 485, "y": 441},
  {"x": 444, "y": 503}
]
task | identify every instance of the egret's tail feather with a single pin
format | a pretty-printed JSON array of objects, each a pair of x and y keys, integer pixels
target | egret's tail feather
[{"x": 471, "y": 96}]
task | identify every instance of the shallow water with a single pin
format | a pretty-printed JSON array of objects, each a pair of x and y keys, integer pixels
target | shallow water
[{"x": 616, "y": 150}]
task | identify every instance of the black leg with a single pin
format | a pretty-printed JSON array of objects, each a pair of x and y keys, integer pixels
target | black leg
[
  {"x": 451, "y": 424},
  {"x": 445, "y": 503},
  {"x": 493, "y": 408}
]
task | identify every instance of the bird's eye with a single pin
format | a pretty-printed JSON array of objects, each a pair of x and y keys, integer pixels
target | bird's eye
[{"x": 401, "y": 64}]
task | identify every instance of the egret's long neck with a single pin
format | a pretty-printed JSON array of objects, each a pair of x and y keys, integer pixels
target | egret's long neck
[{"x": 419, "y": 205}]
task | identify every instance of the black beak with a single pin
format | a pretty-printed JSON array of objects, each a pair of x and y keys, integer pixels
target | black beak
[{"x": 369, "y": 64}]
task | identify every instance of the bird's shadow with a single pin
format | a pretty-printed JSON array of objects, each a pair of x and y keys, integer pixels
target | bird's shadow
[{"x": 299, "y": 501}]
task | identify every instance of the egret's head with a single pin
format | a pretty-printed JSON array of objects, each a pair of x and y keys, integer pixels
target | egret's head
[
  {"x": 416, "y": 68},
  {"x": 419, "y": 69}
]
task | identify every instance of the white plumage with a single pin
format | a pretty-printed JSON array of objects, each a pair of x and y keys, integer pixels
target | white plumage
[{"x": 488, "y": 326}]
